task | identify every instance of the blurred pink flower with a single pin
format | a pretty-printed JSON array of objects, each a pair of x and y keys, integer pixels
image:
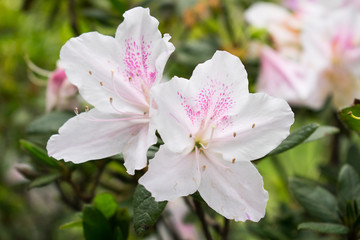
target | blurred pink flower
[{"x": 60, "y": 92}]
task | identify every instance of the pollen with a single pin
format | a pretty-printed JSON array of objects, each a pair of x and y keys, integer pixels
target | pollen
[
  {"x": 233, "y": 160},
  {"x": 234, "y": 134},
  {"x": 90, "y": 72},
  {"x": 253, "y": 125}
]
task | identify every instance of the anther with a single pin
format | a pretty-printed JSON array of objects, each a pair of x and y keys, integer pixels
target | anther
[
  {"x": 234, "y": 134},
  {"x": 76, "y": 111},
  {"x": 203, "y": 167},
  {"x": 190, "y": 135},
  {"x": 90, "y": 72},
  {"x": 101, "y": 83},
  {"x": 233, "y": 160},
  {"x": 130, "y": 78},
  {"x": 111, "y": 99},
  {"x": 86, "y": 108},
  {"x": 253, "y": 125}
]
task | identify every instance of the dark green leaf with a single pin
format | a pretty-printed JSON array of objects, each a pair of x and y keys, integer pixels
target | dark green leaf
[
  {"x": 295, "y": 138},
  {"x": 349, "y": 185},
  {"x": 49, "y": 123},
  {"x": 325, "y": 227},
  {"x": 95, "y": 224},
  {"x": 348, "y": 117},
  {"x": 316, "y": 200},
  {"x": 321, "y": 132},
  {"x": 119, "y": 235},
  {"x": 352, "y": 158},
  {"x": 106, "y": 203},
  {"x": 122, "y": 221},
  {"x": 119, "y": 6},
  {"x": 146, "y": 210},
  {"x": 44, "y": 180},
  {"x": 39, "y": 154},
  {"x": 73, "y": 224}
]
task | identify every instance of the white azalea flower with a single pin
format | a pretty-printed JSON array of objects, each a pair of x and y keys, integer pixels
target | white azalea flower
[
  {"x": 114, "y": 75},
  {"x": 212, "y": 128}
]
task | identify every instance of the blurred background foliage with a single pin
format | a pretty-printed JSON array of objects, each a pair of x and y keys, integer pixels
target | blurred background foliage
[{"x": 36, "y": 29}]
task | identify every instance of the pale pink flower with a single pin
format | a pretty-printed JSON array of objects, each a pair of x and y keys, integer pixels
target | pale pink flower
[
  {"x": 212, "y": 128},
  {"x": 60, "y": 92},
  {"x": 114, "y": 75},
  {"x": 332, "y": 51}
]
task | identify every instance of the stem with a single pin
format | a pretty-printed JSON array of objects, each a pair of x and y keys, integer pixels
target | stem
[
  {"x": 226, "y": 229},
  {"x": 335, "y": 142},
  {"x": 199, "y": 211},
  {"x": 74, "y": 205}
]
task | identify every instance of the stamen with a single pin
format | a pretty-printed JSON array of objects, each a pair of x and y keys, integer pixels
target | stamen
[
  {"x": 76, "y": 111},
  {"x": 203, "y": 167},
  {"x": 353, "y": 116},
  {"x": 217, "y": 162},
  {"x": 111, "y": 100},
  {"x": 197, "y": 159},
  {"x": 101, "y": 83},
  {"x": 90, "y": 72},
  {"x": 126, "y": 113},
  {"x": 253, "y": 125},
  {"x": 234, "y": 134},
  {"x": 86, "y": 108},
  {"x": 190, "y": 135},
  {"x": 233, "y": 160}
]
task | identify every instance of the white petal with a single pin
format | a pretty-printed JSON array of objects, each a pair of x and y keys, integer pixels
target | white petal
[
  {"x": 171, "y": 175},
  {"x": 139, "y": 32},
  {"x": 263, "y": 15},
  {"x": 233, "y": 190},
  {"x": 171, "y": 119},
  {"x": 135, "y": 150},
  {"x": 91, "y": 135},
  {"x": 260, "y": 125}
]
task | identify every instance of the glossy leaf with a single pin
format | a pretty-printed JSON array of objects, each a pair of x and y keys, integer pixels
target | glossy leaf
[
  {"x": 39, "y": 154},
  {"x": 316, "y": 200},
  {"x": 106, "y": 203},
  {"x": 146, "y": 210},
  {"x": 330, "y": 228},
  {"x": 295, "y": 138},
  {"x": 95, "y": 225},
  {"x": 321, "y": 132}
]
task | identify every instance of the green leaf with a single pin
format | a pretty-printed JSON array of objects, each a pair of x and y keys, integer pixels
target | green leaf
[
  {"x": 49, "y": 123},
  {"x": 106, "y": 203},
  {"x": 122, "y": 222},
  {"x": 348, "y": 185},
  {"x": 316, "y": 200},
  {"x": 118, "y": 234},
  {"x": 352, "y": 158},
  {"x": 73, "y": 224},
  {"x": 295, "y": 138},
  {"x": 349, "y": 116},
  {"x": 39, "y": 154},
  {"x": 146, "y": 210},
  {"x": 95, "y": 224},
  {"x": 321, "y": 132},
  {"x": 331, "y": 228},
  {"x": 44, "y": 180}
]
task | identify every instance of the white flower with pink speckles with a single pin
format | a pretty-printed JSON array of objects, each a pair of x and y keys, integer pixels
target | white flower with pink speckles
[
  {"x": 212, "y": 128},
  {"x": 115, "y": 75}
]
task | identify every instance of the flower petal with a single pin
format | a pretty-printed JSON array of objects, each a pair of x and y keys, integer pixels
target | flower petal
[
  {"x": 171, "y": 119},
  {"x": 124, "y": 69},
  {"x": 171, "y": 175},
  {"x": 233, "y": 190},
  {"x": 259, "y": 126},
  {"x": 91, "y": 135},
  {"x": 136, "y": 149}
]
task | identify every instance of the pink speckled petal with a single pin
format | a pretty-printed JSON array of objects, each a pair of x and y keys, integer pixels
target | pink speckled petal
[
  {"x": 92, "y": 135},
  {"x": 234, "y": 190},
  {"x": 122, "y": 68},
  {"x": 146, "y": 51},
  {"x": 171, "y": 119},
  {"x": 260, "y": 125},
  {"x": 171, "y": 175}
]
